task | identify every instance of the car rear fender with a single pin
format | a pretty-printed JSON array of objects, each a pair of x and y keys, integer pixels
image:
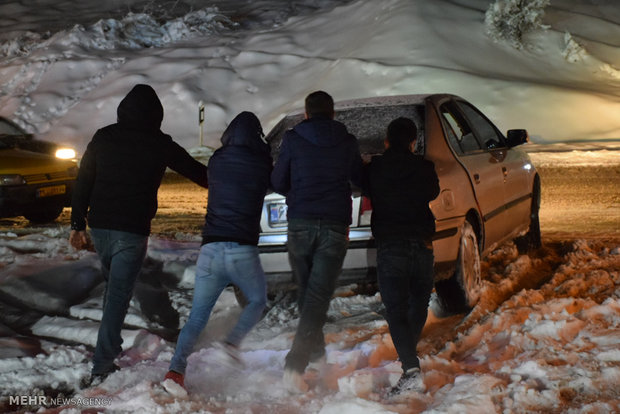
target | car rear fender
[
  {"x": 456, "y": 200},
  {"x": 447, "y": 240}
]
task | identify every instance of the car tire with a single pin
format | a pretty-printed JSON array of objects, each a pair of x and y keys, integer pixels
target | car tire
[
  {"x": 44, "y": 215},
  {"x": 532, "y": 240},
  {"x": 461, "y": 292}
]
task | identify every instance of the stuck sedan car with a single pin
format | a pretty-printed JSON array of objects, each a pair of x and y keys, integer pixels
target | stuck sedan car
[
  {"x": 490, "y": 191},
  {"x": 34, "y": 185}
]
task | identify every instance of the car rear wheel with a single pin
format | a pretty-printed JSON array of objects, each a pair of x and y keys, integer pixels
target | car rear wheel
[
  {"x": 461, "y": 292},
  {"x": 532, "y": 240},
  {"x": 44, "y": 215}
]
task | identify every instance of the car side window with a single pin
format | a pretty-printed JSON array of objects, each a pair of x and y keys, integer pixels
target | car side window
[
  {"x": 487, "y": 132},
  {"x": 460, "y": 135}
]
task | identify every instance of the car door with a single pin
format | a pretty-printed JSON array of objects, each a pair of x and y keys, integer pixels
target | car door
[
  {"x": 517, "y": 194},
  {"x": 483, "y": 167}
]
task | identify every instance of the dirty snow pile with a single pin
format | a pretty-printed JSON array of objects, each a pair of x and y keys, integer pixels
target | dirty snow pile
[{"x": 545, "y": 337}]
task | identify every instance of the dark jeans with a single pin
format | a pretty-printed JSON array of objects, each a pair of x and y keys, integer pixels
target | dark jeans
[
  {"x": 405, "y": 275},
  {"x": 121, "y": 256},
  {"x": 316, "y": 250}
]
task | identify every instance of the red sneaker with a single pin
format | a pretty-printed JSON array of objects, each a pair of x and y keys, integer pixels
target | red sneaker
[{"x": 176, "y": 377}]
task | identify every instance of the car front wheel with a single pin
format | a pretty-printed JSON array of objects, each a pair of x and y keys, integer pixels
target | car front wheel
[
  {"x": 461, "y": 292},
  {"x": 532, "y": 240}
]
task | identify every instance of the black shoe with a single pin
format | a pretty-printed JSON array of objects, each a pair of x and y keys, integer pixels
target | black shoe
[
  {"x": 96, "y": 379},
  {"x": 411, "y": 380}
]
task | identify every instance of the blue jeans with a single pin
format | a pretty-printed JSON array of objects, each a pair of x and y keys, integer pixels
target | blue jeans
[
  {"x": 121, "y": 254},
  {"x": 316, "y": 250},
  {"x": 405, "y": 275},
  {"x": 220, "y": 264}
]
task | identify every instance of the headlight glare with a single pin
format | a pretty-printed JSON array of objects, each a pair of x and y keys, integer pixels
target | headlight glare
[{"x": 65, "y": 153}]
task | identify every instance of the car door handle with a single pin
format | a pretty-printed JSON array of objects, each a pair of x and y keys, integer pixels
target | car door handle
[{"x": 505, "y": 172}]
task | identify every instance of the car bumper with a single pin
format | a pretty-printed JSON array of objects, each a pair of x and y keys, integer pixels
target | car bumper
[
  {"x": 15, "y": 200},
  {"x": 359, "y": 263}
]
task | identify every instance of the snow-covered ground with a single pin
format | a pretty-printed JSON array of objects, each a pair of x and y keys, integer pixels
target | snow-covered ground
[{"x": 544, "y": 338}]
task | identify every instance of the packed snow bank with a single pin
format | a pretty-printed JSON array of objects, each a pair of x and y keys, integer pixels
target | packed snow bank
[{"x": 64, "y": 81}]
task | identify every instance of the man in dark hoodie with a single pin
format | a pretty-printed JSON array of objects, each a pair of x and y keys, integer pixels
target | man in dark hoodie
[
  {"x": 116, "y": 192},
  {"x": 238, "y": 181},
  {"x": 401, "y": 185},
  {"x": 318, "y": 160}
]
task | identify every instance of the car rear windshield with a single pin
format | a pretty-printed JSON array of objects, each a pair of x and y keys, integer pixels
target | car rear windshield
[{"x": 367, "y": 123}]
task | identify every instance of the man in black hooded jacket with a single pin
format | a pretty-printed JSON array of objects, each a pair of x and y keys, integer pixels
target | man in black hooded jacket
[
  {"x": 401, "y": 185},
  {"x": 116, "y": 193}
]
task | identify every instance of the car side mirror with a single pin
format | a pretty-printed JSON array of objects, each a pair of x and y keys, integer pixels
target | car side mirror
[{"x": 516, "y": 137}]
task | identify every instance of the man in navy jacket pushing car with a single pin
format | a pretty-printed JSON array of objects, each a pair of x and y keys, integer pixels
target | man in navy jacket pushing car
[{"x": 318, "y": 160}]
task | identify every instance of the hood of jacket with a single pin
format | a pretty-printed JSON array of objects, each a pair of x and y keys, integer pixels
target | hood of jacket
[
  {"x": 322, "y": 131},
  {"x": 141, "y": 109},
  {"x": 245, "y": 131}
]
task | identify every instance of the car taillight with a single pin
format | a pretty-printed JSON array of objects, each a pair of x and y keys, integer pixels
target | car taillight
[{"x": 365, "y": 211}]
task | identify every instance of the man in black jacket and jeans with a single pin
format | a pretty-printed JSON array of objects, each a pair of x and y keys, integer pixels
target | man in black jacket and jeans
[
  {"x": 116, "y": 192},
  {"x": 401, "y": 185},
  {"x": 318, "y": 160}
]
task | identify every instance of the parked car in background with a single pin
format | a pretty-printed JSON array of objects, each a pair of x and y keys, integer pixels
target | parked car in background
[
  {"x": 14, "y": 136},
  {"x": 490, "y": 191},
  {"x": 35, "y": 181}
]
